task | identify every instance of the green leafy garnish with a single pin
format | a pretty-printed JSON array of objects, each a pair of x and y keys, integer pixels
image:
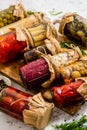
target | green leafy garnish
[
  {"x": 83, "y": 52},
  {"x": 74, "y": 125},
  {"x": 31, "y": 12},
  {"x": 70, "y": 45},
  {"x": 54, "y": 12},
  {"x": 66, "y": 45}
]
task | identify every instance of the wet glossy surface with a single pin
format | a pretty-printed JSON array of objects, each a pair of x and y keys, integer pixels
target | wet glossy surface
[{"x": 79, "y": 6}]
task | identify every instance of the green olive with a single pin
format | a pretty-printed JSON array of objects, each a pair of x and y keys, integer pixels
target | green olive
[
  {"x": 13, "y": 18},
  {"x": 1, "y": 24},
  {"x": 80, "y": 33},
  {"x": 8, "y": 16},
  {"x": 0, "y": 19},
  {"x": 4, "y": 20},
  {"x": 2, "y": 15},
  {"x": 10, "y": 11},
  {"x": 9, "y": 21},
  {"x": 82, "y": 72}
]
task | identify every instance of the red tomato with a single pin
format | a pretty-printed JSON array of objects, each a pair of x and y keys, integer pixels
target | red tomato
[
  {"x": 7, "y": 100},
  {"x": 10, "y": 92},
  {"x": 18, "y": 106}
]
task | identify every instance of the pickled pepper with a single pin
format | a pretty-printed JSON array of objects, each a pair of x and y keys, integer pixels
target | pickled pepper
[
  {"x": 74, "y": 27},
  {"x": 10, "y": 46},
  {"x": 30, "y": 109},
  {"x": 16, "y": 41},
  {"x": 67, "y": 93},
  {"x": 25, "y": 37}
]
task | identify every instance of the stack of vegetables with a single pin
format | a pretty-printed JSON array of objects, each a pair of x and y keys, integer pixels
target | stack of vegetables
[
  {"x": 60, "y": 73},
  {"x": 30, "y": 109},
  {"x": 63, "y": 74}
]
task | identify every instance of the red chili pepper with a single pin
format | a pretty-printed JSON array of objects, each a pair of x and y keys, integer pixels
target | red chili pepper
[
  {"x": 67, "y": 93},
  {"x": 10, "y": 47}
]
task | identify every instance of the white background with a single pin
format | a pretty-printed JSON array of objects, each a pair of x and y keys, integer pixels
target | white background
[{"x": 79, "y": 6}]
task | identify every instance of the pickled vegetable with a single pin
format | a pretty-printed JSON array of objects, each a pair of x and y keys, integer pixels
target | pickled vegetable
[
  {"x": 75, "y": 28},
  {"x": 38, "y": 51},
  {"x": 43, "y": 71},
  {"x": 75, "y": 70},
  {"x": 12, "y": 14},
  {"x": 10, "y": 46},
  {"x": 67, "y": 93},
  {"x": 13, "y": 100},
  {"x": 31, "y": 110},
  {"x": 33, "y": 54},
  {"x": 19, "y": 40},
  {"x": 35, "y": 73},
  {"x": 25, "y": 22},
  {"x": 38, "y": 34}
]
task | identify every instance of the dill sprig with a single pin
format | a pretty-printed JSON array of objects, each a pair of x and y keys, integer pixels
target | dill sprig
[{"x": 74, "y": 125}]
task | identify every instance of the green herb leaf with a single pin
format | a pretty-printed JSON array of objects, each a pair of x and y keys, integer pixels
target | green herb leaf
[
  {"x": 66, "y": 45},
  {"x": 74, "y": 125},
  {"x": 54, "y": 12},
  {"x": 69, "y": 46},
  {"x": 83, "y": 52},
  {"x": 31, "y": 12}
]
